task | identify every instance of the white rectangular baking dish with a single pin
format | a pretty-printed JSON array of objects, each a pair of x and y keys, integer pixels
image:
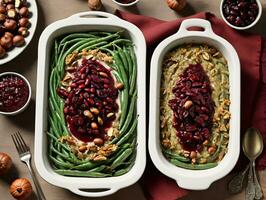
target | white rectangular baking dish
[
  {"x": 195, "y": 179},
  {"x": 87, "y": 21}
]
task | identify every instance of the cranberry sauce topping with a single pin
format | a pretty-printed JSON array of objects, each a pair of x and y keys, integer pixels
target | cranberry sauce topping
[
  {"x": 90, "y": 106},
  {"x": 125, "y": 1},
  {"x": 193, "y": 108},
  {"x": 240, "y": 12},
  {"x": 14, "y": 93}
]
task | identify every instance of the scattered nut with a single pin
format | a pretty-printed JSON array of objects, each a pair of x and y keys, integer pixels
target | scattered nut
[
  {"x": 82, "y": 149},
  {"x": 24, "y": 22},
  {"x": 94, "y": 125},
  {"x": 95, "y": 111},
  {"x": 205, "y": 56},
  {"x": 88, "y": 114},
  {"x": 193, "y": 160},
  {"x": 193, "y": 154},
  {"x": 206, "y": 142},
  {"x": 2, "y": 9},
  {"x": 11, "y": 13},
  {"x": 10, "y": 6},
  {"x": 188, "y": 104},
  {"x": 24, "y": 11},
  {"x": 98, "y": 141},
  {"x": 110, "y": 115},
  {"x": 119, "y": 86},
  {"x": 103, "y": 74},
  {"x": 18, "y": 41},
  {"x": 100, "y": 121},
  {"x": 95, "y": 4},
  {"x": 6, "y": 41},
  {"x": 10, "y": 24},
  {"x": 211, "y": 150},
  {"x": 2, "y": 17},
  {"x": 176, "y": 5}
]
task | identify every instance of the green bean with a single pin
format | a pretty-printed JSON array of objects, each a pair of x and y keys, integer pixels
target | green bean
[
  {"x": 129, "y": 133},
  {"x": 121, "y": 158},
  {"x": 134, "y": 71},
  {"x": 123, "y": 59},
  {"x": 132, "y": 106},
  {"x": 193, "y": 166},
  {"x": 124, "y": 171},
  {"x": 61, "y": 164},
  {"x": 81, "y": 173},
  {"x": 129, "y": 61},
  {"x": 98, "y": 169},
  {"x": 86, "y": 166},
  {"x": 75, "y": 35},
  {"x": 168, "y": 153}
]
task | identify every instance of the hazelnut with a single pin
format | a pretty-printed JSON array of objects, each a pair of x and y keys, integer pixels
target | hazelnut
[
  {"x": 2, "y": 52},
  {"x": 88, "y": 114},
  {"x": 18, "y": 41},
  {"x": 82, "y": 149},
  {"x": 9, "y": 34},
  {"x": 2, "y": 17},
  {"x": 2, "y": 9},
  {"x": 193, "y": 154},
  {"x": 24, "y": 22},
  {"x": 10, "y": 24},
  {"x": 23, "y": 31},
  {"x": 119, "y": 86},
  {"x": 95, "y": 4},
  {"x": 6, "y": 41},
  {"x": 10, "y": 6},
  {"x": 11, "y": 13},
  {"x": 188, "y": 104},
  {"x": 24, "y": 11},
  {"x": 211, "y": 150},
  {"x": 95, "y": 111},
  {"x": 94, "y": 125},
  {"x": 98, "y": 141}
]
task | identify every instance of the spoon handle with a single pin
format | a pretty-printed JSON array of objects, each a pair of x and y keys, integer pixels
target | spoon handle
[
  {"x": 258, "y": 190},
  {"x": 250, "y": 190},
  {"x": 236, "y": 184}
]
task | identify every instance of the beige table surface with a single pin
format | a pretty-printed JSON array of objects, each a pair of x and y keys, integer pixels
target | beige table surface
[{"x": 26, "y": 63}]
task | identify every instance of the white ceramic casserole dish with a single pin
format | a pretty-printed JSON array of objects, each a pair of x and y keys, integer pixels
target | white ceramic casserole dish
[
  {"x": 195, "y": 179},
  {"x": 77, "y": 23}
]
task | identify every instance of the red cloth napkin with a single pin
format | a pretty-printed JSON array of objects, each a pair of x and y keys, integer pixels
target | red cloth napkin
[{"x": 251, "y": 49}]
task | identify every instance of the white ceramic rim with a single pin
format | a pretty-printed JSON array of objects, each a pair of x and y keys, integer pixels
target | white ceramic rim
[
  {"x": 126, "y": 4},
  {"x": 74, "y": 184},
  {"x": 185, "y": 178},
  {"x": 244, "y": 27},
  {"x": 18, "y": 50},
  {"x": 29, "y": 97}
]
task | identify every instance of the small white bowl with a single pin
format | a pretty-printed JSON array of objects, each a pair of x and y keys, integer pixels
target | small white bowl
[
  {"x": 126, "y": 4},
  {"x": 242, "y": 27},
  {"x": 29, "y": 97}
]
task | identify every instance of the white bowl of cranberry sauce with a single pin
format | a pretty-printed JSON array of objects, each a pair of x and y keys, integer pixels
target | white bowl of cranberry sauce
[
  {"x": 241, "y": 14},
  {"x": 15, "y": 93}
]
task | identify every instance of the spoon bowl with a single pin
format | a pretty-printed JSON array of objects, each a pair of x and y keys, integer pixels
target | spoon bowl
[{"x": 252, "y": 143}]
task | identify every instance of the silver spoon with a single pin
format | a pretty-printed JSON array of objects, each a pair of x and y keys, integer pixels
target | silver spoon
[{"x": 252, "y": 147}]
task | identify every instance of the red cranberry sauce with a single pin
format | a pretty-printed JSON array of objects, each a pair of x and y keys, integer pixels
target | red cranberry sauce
[
  {"x": 193, "y": 108},
  {"x": 125, "y": 1},
  {"x": 90, "y": 106},
  {"x": 14, "y": 93},
  {"x": 240, "y": 12}
]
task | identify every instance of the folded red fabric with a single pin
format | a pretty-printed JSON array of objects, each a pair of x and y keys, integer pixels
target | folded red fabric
[{"x": 251, "y": 49}]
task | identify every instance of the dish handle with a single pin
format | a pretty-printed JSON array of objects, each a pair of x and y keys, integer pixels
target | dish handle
[
  {"x": 195, "y": 22},
  {"x": 93, "y": 192},
  {"x": 92, "y": 14}
]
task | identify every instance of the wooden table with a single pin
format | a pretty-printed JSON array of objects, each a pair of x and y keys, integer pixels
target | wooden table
[{"x": 26, "y": 63}]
